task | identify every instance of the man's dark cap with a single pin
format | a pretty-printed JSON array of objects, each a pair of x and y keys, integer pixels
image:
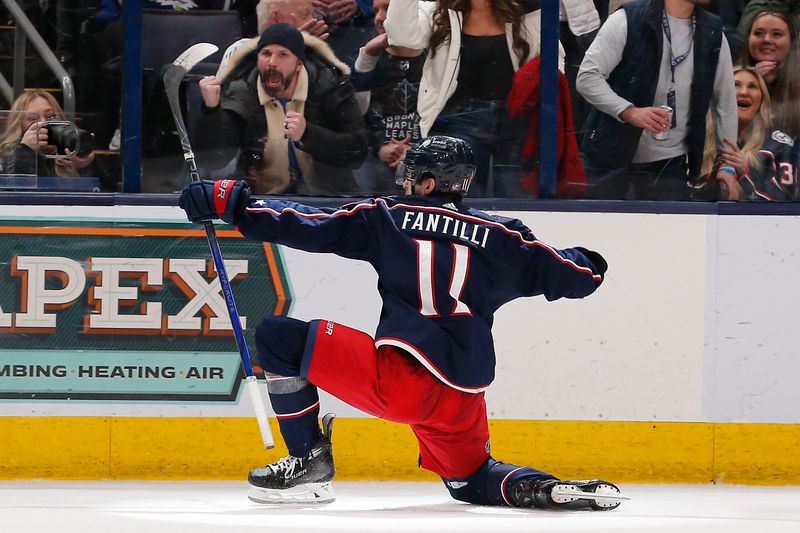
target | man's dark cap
[{"x": 285, "y": 35}]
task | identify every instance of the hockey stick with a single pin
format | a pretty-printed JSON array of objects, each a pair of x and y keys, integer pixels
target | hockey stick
[{"x": 172, "y": 82}]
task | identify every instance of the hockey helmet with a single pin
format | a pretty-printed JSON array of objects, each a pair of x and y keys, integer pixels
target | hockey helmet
[{"x": 448, "y": 160}]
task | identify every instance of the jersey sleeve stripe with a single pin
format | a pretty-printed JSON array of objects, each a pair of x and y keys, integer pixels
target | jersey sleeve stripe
[
  {"x": 462, "y": 216},
  {"x": 288, "y": 209}
]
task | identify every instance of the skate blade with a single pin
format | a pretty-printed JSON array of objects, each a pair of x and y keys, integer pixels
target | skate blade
[
  {"x": 308, "y": 494},
  {"x": 604, "y": 495}
]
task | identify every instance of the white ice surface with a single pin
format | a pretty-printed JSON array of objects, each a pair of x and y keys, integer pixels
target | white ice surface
[{"x": 160, "y": 507}]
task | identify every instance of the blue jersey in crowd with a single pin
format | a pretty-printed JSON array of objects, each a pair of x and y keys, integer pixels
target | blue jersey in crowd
[
  {"x": 774, "y": 178},
  {"x": 443, "y": 269}
]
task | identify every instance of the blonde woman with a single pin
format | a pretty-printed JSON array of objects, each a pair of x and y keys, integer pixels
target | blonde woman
[
  {"x": 762, "y": 163},
  {"x": 24, "y": 144}
]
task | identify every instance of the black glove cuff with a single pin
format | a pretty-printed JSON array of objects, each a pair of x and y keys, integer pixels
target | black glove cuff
[
  {"x": 597, "y": 260},
  {"x": 241, "y": 203}
]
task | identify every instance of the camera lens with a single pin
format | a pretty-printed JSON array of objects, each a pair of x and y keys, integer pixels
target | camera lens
[
  {"x": 66, "y": 135},
  {"x": 85, "y": 143}
]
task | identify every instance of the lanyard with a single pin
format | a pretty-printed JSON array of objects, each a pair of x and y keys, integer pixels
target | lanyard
[{"x": 675, "y": 61}]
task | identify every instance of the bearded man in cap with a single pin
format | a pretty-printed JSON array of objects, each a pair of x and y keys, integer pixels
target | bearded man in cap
[{"x": 283, "y": 107}]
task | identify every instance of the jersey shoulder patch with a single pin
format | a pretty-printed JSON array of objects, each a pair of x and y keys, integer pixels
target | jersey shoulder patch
[{"x": 782, "y": 138}]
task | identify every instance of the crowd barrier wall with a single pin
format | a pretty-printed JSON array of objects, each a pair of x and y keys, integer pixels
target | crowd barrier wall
[{"x": 682, "y": 367}]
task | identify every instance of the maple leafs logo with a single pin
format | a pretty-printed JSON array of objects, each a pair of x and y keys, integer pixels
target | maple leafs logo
[{"x": 404, "y": 98}]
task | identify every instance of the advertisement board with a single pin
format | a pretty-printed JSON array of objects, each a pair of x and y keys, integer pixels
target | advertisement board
[{"x": 127, "y": 311}]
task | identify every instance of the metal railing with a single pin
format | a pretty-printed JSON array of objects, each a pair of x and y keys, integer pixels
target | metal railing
[{"x": 25, "y": 31}]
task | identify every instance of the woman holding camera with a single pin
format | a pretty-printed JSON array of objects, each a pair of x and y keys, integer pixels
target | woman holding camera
[{"x": 25, "y": 143}]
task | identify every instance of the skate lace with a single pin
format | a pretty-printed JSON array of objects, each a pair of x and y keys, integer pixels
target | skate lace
[{"x": 287, "y": 465}]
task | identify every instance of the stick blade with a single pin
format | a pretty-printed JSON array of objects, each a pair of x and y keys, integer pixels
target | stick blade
[
  {"x": 186, "y": 62},
  {"x": 195, "y": 54}
]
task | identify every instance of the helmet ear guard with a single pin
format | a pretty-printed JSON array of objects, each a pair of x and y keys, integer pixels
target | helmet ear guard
[{"x": 448, "y": 160}]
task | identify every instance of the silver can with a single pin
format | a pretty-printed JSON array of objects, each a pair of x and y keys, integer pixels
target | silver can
[{"x": 664, "y": 135}]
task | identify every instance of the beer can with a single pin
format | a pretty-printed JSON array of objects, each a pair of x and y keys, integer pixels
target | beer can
[{"x": 664, "y": 135}]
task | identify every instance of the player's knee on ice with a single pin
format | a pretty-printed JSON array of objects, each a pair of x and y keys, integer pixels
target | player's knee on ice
[
  {"x": 280, "y": 342},
  {"x": 489, "y": 484}
]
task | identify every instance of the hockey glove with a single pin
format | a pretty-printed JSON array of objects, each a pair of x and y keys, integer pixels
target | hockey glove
[
  {"x": 597, "y": 260},
  {"x": 206, "y": 200}
]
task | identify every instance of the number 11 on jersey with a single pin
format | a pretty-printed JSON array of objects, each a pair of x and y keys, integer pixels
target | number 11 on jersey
[{"x": 426, "y": 281}]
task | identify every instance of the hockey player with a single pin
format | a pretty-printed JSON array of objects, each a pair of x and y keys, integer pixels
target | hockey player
[{"x": 443, "y": 269}]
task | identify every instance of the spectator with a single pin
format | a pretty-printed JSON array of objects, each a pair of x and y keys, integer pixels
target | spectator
[
  {"x": 524, "y": 100},
  {"x": 677, "y": 57},
  {"x": 754, "y": 7},
  {"x": 728, "y": 10},
  {"x": 579, "y": 24},
  {"x": 762, "y": 163},
  {"x": 350, "y": 24},
  {"x": 772, "y": 49},
  {"x": 298, "y": 13},
  {"x": 286, "y": 108},
  {"x": 387, "y": 78},
  {"x": 24, "y": 146},
  {"x": 465, "y": 41}
]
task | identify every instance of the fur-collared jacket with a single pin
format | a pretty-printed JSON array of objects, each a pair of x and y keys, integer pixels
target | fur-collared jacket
[{"x": 335, "y": 140}]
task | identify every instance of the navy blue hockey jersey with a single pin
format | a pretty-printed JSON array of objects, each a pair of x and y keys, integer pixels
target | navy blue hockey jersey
[
  {"x": 775, "y": 177},
  {"x": 442, "y": 269}
]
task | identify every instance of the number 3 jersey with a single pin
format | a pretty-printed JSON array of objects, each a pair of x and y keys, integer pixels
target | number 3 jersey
[
  {"x": 774, "y": 178},
  {"x": 443, "y": 270}
]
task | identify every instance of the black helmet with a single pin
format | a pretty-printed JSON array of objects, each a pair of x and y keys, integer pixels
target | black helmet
[{"x": 448, "y": 160}]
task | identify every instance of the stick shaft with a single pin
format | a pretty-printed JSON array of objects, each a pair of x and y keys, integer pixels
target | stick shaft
[
  {"x": 222, "y": 273},
  {"x": 261, "y": 412}
]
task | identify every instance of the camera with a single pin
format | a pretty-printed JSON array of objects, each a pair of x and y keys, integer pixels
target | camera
[{"x": 64, "y": 134}]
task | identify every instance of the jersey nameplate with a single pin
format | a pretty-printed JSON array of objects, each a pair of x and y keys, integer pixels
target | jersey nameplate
[{"x": 447, "y": 225}]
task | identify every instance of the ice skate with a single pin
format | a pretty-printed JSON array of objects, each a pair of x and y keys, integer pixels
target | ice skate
[
  {"x": 298, "y": 480},
  {"x": 594, "y": 494}
]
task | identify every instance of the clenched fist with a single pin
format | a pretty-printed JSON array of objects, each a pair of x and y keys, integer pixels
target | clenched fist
[
  {"x": 210, "y": 89},
  {"x": 294, "y": 125}
]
